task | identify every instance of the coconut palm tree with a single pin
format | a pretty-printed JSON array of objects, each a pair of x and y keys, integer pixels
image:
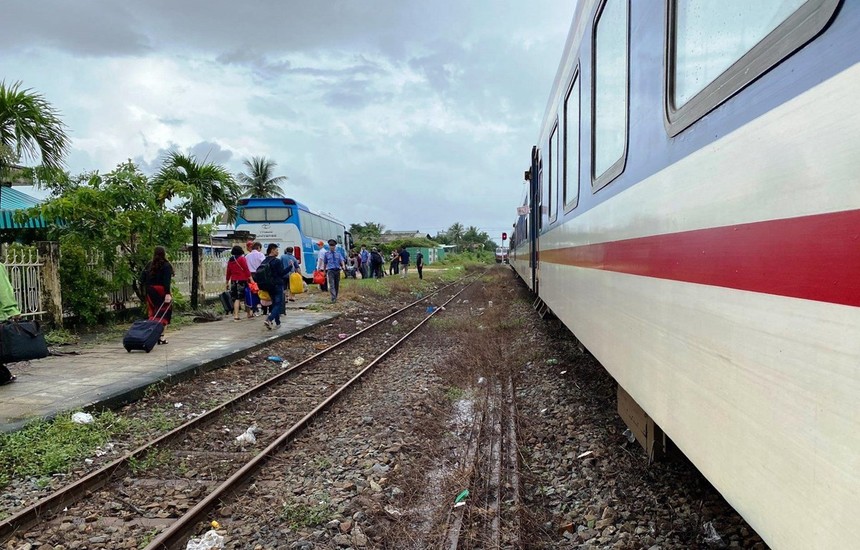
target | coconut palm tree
[
  {"x": 203, "y": 187},
  {"x": 455, "y": 233},
  {"x": 260, "y": 180},
  {"x": 30, "y": 129}
]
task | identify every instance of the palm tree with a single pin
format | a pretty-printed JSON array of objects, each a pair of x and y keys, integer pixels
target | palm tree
[
  {"x": 30, "y": 129},
  {"x": 260, "y": 181},
  {"x": 204, "y": 187},
  {"x": 455, "y": 233}
]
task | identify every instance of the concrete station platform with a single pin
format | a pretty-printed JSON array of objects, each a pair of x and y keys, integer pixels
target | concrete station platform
[{"x": 105, "y": 375}]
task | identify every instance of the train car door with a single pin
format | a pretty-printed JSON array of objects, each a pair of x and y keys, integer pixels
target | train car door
[{"x": 536, "y": 217}]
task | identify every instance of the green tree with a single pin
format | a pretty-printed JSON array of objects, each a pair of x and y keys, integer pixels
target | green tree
[
  {"x": 366, "y": 233},
  {"x": 30, "y": 128},
  {"x": 260, "y": 180},
  {"x": 455, "y": 233},
  {"x": 120, "y": 216},
  {"x": 202, "y": 188}
]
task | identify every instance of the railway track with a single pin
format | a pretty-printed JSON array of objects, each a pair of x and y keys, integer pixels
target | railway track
[
  {"x": 168, "y": 485},
  {"x": 490, "y": 516}
]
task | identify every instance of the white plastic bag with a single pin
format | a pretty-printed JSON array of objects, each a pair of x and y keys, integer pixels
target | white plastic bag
[
  {"x": 210, "y": 541},
  {"x": 82, "y": 418}
]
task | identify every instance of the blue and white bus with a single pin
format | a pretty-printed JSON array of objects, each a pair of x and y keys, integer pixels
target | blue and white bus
[{"x": 291, "y": 223}]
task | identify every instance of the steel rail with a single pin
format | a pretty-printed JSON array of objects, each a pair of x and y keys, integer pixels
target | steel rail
[
  {"x": 173, "y": 538},
  {"x": 51, "y": 504}
]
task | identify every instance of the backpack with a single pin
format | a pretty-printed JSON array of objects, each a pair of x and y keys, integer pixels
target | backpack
[
  {"x": 376, "y": 258},
  {"x": 263, "y": 277}
]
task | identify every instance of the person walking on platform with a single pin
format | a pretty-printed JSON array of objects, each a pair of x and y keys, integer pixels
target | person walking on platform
[
  {"x": 291, "y": 265},
  {"x": 8, "y": 310},
  {"x": 334, "y": 263},
  {"x": 403, "y": 255},
  {"x": 364, "y": 254},
  {"x": 376, "y": 261},
  {"x": 394, "y": 265},
  {"x": 156, "y": 287},
  {"x": 321, "y": 264},
  {"x": 274, "y": 264},
  {"x": 254, "y": 258},
  {"x": 419, "y": 264},
  {"x": 238, "y": 275}
]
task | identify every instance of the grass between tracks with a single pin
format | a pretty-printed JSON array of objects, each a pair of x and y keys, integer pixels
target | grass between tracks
[{"x": 42, "y": 449}]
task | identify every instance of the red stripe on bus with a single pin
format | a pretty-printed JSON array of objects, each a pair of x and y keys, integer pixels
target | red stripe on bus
[{"x": 810, "y": 257}]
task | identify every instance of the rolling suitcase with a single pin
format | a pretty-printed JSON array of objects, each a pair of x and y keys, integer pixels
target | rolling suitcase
[
  {"x": 226, "y": 302},
  {"x": 144, "y": 334}
]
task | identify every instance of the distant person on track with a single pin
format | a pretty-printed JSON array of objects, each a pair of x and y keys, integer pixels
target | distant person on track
[
  {"x": 334, "y": 264},
  {"x": 419, "y": 264},
  {"x": 238, "y": 276},
  {"x": 156, "y": 285},
  {"x": 403, "y": 256},
  {"x": 8, "y": 310},
  {"x": 364, "y": 254},
  {"x": 277, "y": 292}
]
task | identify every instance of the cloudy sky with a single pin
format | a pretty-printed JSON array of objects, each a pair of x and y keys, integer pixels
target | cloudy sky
[{"x": 413, "y": 114}]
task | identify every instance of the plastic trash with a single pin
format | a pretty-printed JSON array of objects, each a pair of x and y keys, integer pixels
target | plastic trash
[
  {"x": 275, "y": 359},
  {"x": 342, "y": 335},
  {"x": 711, "y": 535},
  {"x": 177, "y": 405},
  {"x": 247, "y": 437},
  {"x": 585, "y": 454},
  {"x": 210, "y": 541},
  {"x": 431, "y": 309},
  {"x": 394, "y": 322},
  {"x": 358, "y": 361},
  {"x": 629, "y": 435},
  {"x": 464, "y": 494},
  {"x": 552, "y": 361},
  {"x": 82, "y": 418}
]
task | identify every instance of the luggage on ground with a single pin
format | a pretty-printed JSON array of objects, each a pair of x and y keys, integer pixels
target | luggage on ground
[
  {"x": 226, "y": 301},
  {"x": 144, "y": 334},
  {"x": 21, "y": 341},
  {"x": 296, "y": 283}
]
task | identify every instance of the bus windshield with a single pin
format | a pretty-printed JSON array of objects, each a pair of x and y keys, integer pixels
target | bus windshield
[{"x": 266, "y": 214}]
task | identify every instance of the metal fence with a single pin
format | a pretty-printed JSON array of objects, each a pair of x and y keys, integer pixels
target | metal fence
[
  {"x": 212, "y": 270},
  {"x": 24, "y": 268}
]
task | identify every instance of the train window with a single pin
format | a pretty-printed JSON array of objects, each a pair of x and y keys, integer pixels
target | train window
[
  {"x": 609, "y": 138},
  {"x": 717, "y": 48},
  {"x": 554, "y": 163},
  {"x": 571, "y": 145}
]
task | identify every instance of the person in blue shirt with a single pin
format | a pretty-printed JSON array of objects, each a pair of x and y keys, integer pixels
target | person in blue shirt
[
  {"x": 334, "y": 263},
  {"x": 291, "y": 265},
  {"x": 404, "y": 261},
  {"x": 364, "y": 254}
]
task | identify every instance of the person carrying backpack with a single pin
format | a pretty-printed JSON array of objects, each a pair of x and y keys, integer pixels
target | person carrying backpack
[
  {"x": 270, "y": 277},
  {"x": 376, "y": 262}
]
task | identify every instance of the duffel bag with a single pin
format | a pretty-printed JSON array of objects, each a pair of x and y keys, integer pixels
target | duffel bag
[{"x": 21, "y": 341}]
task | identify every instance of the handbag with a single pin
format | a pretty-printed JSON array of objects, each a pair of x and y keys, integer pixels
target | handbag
[
  {"x": 21, "y": 341},
  {"x": 319, "y": 277},
  {"x": 255, "y": 288}
]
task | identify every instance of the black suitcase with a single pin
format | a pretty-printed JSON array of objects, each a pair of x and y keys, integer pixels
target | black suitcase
[
  {"x": 226, "y": 302},
  {"x": 144, "y": 334}
]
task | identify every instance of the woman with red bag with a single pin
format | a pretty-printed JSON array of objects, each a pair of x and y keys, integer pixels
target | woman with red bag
[
  {"x": 237, "y": 278},
  {"x": 156, "y": 285}
]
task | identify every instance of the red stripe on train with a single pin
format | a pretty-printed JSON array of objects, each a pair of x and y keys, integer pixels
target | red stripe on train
[{"x": 810, "y": 257}]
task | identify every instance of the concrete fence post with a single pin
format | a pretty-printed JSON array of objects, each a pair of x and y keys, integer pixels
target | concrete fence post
[{"x": 52, "y": 299}]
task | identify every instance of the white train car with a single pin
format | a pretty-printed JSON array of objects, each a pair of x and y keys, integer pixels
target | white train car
[{"x": 693, "y": 216}]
